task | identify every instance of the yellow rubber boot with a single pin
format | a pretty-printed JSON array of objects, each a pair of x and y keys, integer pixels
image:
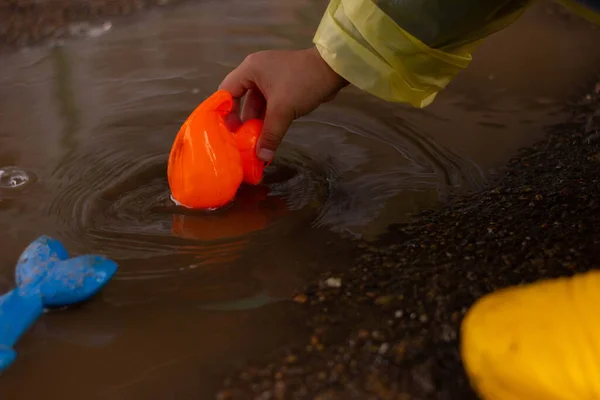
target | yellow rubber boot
[{"x": 536, "y": 342}]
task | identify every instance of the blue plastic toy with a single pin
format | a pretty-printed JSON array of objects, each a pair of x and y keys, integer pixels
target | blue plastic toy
[{"x": 46, "y": 277}]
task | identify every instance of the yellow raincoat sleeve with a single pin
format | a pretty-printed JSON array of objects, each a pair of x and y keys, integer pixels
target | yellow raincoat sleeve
[{"x": 409, "y": 50}]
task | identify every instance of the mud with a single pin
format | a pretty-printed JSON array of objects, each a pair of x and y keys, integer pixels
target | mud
[{"x": 389, "y": 328}]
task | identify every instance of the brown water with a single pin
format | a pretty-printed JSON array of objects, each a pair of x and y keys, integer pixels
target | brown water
[{"x": 89, "y": 124}]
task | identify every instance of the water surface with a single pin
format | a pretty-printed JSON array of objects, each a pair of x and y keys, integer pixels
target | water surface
[{"x": 85, "y": 131}]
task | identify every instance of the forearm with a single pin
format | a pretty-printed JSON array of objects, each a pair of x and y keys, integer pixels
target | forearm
[{"x": 403, "y": 54}]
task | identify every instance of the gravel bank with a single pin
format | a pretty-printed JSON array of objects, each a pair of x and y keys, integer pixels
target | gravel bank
[{"x": 388, "y": 328}]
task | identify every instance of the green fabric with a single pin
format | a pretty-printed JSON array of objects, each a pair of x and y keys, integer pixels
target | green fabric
[{"x": 447, "y": 23}]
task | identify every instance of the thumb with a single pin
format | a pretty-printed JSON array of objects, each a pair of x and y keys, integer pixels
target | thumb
[{"x": 278, "y": 119}]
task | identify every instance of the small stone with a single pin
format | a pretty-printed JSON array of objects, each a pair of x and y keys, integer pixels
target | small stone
[
  {"x": 300, "y": 298},
  {"x": 225, "y": 395},
  {"x": 400, "y": 349},
  {"x": 595, "y": 157},
  {"x": 279, "y": 390},
  {"x": 383, "y": 300},
  {"x": 291, "y": 359},
  {"x": 383, "y": 348},
  {"x": 333, "y": 282}
]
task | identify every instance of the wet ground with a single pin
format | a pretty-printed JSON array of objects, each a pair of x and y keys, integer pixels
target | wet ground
[
  {"x": 86, "y": 125},
  {"x": 388, "y": 327}
]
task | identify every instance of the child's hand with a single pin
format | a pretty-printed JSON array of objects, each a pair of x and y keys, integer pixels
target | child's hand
[{"x": 281, "y": 86}]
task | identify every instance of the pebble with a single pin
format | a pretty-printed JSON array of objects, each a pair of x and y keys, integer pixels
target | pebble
[
  {"x": 383, "y": 348},
  {"x": 300, "y": 298},
  {"x": 333, "y": 282}
]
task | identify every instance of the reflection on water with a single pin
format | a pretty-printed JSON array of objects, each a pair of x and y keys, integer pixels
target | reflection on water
[
  {"x": 12, "y": 178},
  {"x": 85, "y": 132}
]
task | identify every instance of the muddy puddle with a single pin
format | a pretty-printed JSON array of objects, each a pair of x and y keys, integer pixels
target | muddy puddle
[{"x": 85, "y": 131}]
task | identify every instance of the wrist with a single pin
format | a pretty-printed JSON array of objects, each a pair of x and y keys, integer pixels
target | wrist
[{"x": 336, "y": 79}]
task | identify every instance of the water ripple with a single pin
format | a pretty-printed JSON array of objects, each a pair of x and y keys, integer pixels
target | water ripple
[{"x": 113, "y": 195}]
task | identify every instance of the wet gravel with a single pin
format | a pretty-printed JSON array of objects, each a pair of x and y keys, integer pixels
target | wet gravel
[{"x": 388, "y": 327}]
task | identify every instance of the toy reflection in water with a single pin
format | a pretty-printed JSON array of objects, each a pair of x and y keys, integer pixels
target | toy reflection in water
[{"x": 252, "y": 210}]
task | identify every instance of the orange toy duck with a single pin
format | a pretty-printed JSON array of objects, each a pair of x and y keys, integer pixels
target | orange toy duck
[{"x": 208, "y": 162}]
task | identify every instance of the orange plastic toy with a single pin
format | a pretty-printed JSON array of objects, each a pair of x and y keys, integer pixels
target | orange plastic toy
[{"x": 208, "y": 162}]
